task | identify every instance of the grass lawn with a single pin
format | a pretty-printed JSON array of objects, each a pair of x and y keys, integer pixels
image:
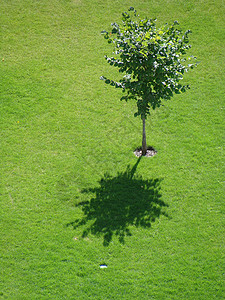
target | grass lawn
[{"x": 73, "y": 194}]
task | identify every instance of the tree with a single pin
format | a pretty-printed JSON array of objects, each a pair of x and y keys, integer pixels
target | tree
[{"x": 153, "y": 61}]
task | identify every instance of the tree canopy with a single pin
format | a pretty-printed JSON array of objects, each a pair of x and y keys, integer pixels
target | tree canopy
[{"x": 153, "y": 60}]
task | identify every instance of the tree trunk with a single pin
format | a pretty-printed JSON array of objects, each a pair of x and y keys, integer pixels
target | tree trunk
[{"x": 144, "y": 144}]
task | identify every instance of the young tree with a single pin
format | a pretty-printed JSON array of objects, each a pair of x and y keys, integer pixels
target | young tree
[{"x": 152, "y": 61}]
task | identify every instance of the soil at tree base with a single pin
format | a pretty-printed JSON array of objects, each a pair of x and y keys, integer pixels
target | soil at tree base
[{"x": 150, "y": 152}]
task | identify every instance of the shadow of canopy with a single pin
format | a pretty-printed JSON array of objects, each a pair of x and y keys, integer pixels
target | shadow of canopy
[{"x": 120, "y": 202}]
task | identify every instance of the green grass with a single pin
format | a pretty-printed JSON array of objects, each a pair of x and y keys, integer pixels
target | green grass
[{"x": 73, "y": 195}]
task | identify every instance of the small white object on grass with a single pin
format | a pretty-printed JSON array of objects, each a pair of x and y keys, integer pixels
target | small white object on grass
[{"x": 103, "y": 266}]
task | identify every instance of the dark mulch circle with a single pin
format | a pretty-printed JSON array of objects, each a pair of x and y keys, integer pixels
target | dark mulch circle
[{"x": 150, "y": 152}]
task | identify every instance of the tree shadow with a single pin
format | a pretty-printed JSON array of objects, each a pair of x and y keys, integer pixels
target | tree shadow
[{"x": 120, "y": 202}]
